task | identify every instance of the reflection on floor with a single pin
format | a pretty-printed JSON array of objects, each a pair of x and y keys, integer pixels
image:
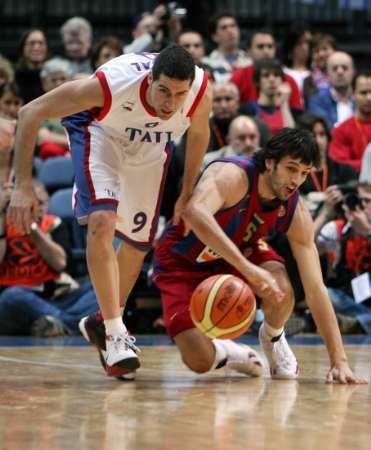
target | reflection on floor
[{"x": 56, "y": 397}]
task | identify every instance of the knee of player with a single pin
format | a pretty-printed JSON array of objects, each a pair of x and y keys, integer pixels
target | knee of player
[
  {"x": 102, "y": 224},
  {"x": 198, "y": 365}
]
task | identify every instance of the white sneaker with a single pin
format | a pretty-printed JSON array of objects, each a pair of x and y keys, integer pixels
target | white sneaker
[
  {"x": 247, "y": 361},
  {"x": 121, "y": 352},
  {"x": 282, "y": 361}
]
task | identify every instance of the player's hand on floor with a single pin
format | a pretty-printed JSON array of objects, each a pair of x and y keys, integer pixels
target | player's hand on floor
[{"x": 342, "y": 373}]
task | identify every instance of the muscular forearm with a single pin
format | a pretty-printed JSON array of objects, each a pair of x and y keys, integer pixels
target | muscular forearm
[
  {"x": 195, "y": 150},
  {"x": 52, "y": 253},
  {"x": 211, "y": 234},
  {"x": 25, "y": 142},
  {"x": 325, "y": 319}
]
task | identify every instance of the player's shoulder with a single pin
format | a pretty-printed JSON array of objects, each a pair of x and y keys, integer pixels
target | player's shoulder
[{"x": 131, "y": 62}]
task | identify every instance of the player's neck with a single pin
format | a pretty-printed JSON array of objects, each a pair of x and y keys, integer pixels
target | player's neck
[{"x": 265, "y": 193}]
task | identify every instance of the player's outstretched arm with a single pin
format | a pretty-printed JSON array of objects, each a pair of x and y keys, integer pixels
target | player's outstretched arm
[
  {"x": 71, "y": 97},
  {"x": 197, "y": 142},
  {"x": 301, "y": 238}
]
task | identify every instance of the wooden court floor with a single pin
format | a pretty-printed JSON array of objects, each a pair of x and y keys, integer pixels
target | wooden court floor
[{"x": 57, "y": 397}]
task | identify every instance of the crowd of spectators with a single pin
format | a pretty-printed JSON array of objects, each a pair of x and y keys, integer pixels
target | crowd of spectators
[{"x": 302, "y": 79}]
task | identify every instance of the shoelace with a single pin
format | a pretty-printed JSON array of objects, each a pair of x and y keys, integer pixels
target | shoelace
[
  {"x": 130, "y": 342},
  {"x": 282, "y": 349}
]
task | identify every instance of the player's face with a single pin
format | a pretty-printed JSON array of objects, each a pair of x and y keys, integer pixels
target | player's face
[
  {"x": 167, "y": 95},
  {"x": 286, "y": 176}
]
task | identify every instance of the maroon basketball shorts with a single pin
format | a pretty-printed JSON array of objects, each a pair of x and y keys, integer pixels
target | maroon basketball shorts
[{"x": 178, "y": 281}]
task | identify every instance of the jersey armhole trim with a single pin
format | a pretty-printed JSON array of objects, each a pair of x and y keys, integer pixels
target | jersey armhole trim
[
  {"x": 107, "y": 95},
  {"x": 198, "y": 96}
]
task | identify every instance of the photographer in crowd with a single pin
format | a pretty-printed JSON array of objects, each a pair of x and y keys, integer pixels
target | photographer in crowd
[
  {"x": 154, "y": 31},
  {"x": 347, "y": 244}
]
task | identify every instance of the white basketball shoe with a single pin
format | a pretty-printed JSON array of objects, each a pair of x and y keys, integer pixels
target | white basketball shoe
[
  {"x": 121, "y": 351},
  {"x": 244, "y": 359},
  {"x": 282, "y": 361}
]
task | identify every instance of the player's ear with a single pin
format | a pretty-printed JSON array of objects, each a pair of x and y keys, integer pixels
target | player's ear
[
  {"x": 269, "y": 163},
  {"x": 150, "y": 77}
]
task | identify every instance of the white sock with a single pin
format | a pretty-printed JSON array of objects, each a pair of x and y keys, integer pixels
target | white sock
[
  {"x": 272, "y": 332},
  {"x": 220, "y": 354},
  {"x": 115, "y": 326}
]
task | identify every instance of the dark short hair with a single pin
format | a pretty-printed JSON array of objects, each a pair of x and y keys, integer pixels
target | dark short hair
[
  {"x": 174, "y": 62},
  {"x": 214, "y": 21},
  {"x": 307, "y": 121},
  {"x": 268, "y": 64},
  {"x": 261, "y": 31},
  {"x": 297, "y": 143},
  {"x": 366, "y": 73}
]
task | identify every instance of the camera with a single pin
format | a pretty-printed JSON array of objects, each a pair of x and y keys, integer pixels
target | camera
[
  {"x": 351, "y": 200},
  {"x": 350, "y": 194},
  {"x": 173, "y": 9}
]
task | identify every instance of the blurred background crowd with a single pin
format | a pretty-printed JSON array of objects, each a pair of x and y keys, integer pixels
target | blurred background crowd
[{"x": 287, "y": 63}]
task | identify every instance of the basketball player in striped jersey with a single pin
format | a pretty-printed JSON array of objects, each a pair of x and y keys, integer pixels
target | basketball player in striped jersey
[
  {"x": 237, "y": 204},
  {"x": 121, "y": 124}
]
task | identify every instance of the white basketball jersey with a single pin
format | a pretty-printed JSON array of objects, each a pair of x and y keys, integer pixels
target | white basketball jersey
[{"x": 126, "y": 116}]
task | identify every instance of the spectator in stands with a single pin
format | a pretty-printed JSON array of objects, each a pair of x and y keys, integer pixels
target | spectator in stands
[
  {"x": 37, "y": 296},
  {"x": 32, "y": 53},
  {"x": 154, "y": 31},
  {"x": 104, "y": 50},
  {"x": 296, "y": 50},
  {"x": 323, "y": 45},
  {"x": 227, "y": 57},
  {"x": 192, "y": 41},
  {"x": 6, "y": 71},
  {"x": 10, "y": 100},
  {"x": 351, "y": 138},
  {"x": 272, "y": 105},
  {"x": 225, "y": 108},
  {"x": 77, "y": 35},
  {"x": 261, "y": 46},
  {"x": 243, "y": 139},
  {"x": 51, "y": 139},
  {"x": 335, "y": 103},
  {"x": 348, "y": 246},
  {"x": 320, "y": 190}
]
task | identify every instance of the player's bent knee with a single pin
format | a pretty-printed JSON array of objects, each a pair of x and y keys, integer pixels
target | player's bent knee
[
  {"x": 101, "y": 224},
  {"x": 197, "y": 364}
]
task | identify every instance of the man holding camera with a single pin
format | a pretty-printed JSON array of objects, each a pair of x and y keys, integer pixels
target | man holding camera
[{"x": 348, "y": 246}]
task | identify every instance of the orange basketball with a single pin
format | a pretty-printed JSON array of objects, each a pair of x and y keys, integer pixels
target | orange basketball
[{"x": 223, "y": 306}]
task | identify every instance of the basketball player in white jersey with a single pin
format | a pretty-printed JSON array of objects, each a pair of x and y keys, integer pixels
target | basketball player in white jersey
[{"x": 121, "y": 124}]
